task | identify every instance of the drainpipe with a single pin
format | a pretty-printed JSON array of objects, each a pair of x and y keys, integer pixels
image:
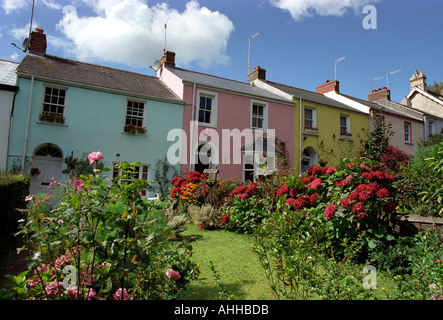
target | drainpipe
[
  {"x": 11, "y": 118},
  {"x": 27, "y": 123},
  {"x": 191, "y": 143}
]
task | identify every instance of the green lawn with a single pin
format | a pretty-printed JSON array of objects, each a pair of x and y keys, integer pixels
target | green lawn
[{"x": 237, "y": 267}]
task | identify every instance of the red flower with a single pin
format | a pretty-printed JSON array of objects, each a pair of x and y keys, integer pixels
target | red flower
[
  {"x": 389, "y": 207},
  {"x": 313, "y": 199},
  {"x": 346, "y": 202},
  {"x": 382, "y": 193},
  {"x": 345, "y": 182},
  {"x": 293, "y": 193},
  {"x": 330, "y": 170},
  {"x": 225, "y": 219},
  {"x": 244, "y": 196},
  {"x": 353, "y": 195},
  {"x": 313, "y": 170},
  {"x": 238, "y": 190},
  {"x": 291, "y": 202},
  {"x": 330, "y": 211},
  {"x": 282, "y": 191},
  {"x": 252, "y": 188},
  {"x": 358, "y": 209}
]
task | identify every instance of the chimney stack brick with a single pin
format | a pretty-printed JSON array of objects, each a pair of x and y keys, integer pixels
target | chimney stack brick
[
  {"x": 379, "y": 94},
  {"x": 328, "y": 87},
  {"x": 257, "y": 73},
  {"x": 418, "y": 79},
  {"x": 168, "y": 59},
  {"x": 38, "y": 43}
]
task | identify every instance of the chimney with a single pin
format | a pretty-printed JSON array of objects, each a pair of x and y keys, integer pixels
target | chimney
[
  {"x": 257, "y": 73},
  {"x": 379, "y": 94},
  {"x": 328, "y": 87},
  {"x": 38, "y": 42},
  {"x": 168, "y": 59},
  {"x": 418, "y": 79}
]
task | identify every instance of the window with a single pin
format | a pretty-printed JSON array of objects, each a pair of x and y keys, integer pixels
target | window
[
  {"x": 54, "y": 100},
  {"x": 258, "y": 164},
  {"x": 408, "y": 132},
  {"x": 141, "y": 172},
  {"x": 310, "y": 118},
  {"x": 344, "y": 125},
  {"x": 431, "y": 127},
  {"x": 207, "y": 108},
  {"x": 135, "y": 113},
  {"x": 248, "y": 167},
  {"x": 259, "y": 116}
]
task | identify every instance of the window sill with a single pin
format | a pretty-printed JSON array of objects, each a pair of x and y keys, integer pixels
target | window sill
[
  {"x": 409, "y": 143},
  {"x": 135, "y": 134},
  {"x": 53, "y": 123},
  {"x": 209, "y": 125},
  {"x": 311, "y": 132},
  {"x": 347, "y": 138}
]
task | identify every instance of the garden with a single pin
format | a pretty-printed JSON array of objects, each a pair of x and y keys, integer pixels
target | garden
[{"x": 329, "y": 233}]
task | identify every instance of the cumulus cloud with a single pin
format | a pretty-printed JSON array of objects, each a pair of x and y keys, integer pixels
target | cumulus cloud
[
  {"x": 132, "y": 32},
  {"x": 308, "y": 8}
]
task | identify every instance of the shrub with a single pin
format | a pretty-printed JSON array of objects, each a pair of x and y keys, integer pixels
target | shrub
[
  {"x": 100, "y": 241},
  {"x": 394, "y": 158}
]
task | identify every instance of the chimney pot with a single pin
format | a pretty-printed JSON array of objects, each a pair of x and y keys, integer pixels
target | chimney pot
[{"x": 418, "y": 79}]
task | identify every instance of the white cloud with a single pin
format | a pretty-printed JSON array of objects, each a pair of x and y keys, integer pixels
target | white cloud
[
  {"x": 308, "y": 8},
  {"x": 12, "y": 5},
  {"x": 132, "y": 32}
]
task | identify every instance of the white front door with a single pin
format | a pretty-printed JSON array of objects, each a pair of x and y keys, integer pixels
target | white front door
[{"x": 50, "y": 171}]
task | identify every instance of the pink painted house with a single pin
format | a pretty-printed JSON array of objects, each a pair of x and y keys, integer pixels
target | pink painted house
[{"x": 235, "y": 127}]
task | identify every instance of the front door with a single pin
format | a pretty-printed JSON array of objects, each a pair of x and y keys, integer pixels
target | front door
[{"x": 49, "y": 163}]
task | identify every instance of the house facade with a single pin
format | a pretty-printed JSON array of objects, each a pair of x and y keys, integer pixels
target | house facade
[
  {"x": 229, "y": 125},
  {"x": 66, "y": 107},
  {"x": 8, "y": 89},
  {"x": 324, "y": 129},
  {"x": 427, "y": 102},
  {"x": 407, "y": 124}
]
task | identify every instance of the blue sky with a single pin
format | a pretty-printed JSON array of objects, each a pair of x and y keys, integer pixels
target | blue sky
[{"x": 297, "y": 44}]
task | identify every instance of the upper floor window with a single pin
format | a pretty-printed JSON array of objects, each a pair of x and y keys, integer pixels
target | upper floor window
[
  {"x": 134, "y": 122},
  {"x": 310, "y": 118},
  {"x": 53, "y": 107},
  {"x": 258, "y": 116},
  {"x": 345, "y": 126},
  {"x": 408, "y": 132},
  {"x": 207, "y": 109}
]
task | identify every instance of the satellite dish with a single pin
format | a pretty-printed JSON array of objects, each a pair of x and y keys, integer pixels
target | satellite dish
[
  {"x": 25, "y": 45},
  {"x": 156, "y": 66}
]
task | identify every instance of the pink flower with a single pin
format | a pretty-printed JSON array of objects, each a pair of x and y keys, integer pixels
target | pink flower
[
  {"x": 94, "y": 157},
  {"x": 172, "y": 274},
  {"x": 118, "y": 295},
  {"x": 315, "y": 184}
]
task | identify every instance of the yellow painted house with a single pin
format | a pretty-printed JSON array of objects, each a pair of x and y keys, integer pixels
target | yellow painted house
[{"x": 324, "y": 129}]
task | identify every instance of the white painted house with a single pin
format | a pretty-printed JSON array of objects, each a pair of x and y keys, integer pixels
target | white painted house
[{"x": 8, "y": 89}]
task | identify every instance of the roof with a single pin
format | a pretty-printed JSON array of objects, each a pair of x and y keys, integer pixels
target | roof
[
  {"x": 7, "y": 72},
  {"x": 311, "y": 96},
  {"x": 434, "y": 97},
  {"x": 215, "y": 82},
  {"x": 99, "y": 77}
]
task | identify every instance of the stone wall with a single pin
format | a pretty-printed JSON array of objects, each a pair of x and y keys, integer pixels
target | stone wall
[{"x": 410, "y": 224}]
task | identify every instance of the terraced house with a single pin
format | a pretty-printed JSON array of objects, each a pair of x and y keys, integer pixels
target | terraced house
[
  {"x": 323, "y": 127},
  {"x": 66, "y": 107}
]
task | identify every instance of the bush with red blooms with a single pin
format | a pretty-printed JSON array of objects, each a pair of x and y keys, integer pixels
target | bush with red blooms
[
  {"x": 181, "y": 183},
  {"x": 394, "y": 157}
]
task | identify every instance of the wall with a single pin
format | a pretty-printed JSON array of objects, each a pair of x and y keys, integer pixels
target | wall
[
  {"x": 420, "y": 102},
  {"x": 94, "y": 122},
  {"x": 6, "y": 100}
]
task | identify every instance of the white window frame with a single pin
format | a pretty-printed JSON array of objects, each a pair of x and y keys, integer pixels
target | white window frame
[
  {"x": 136, "y": 117},
  {"x": 265, "y": 115},
  {"x": 431, "y": 127},
  {"x": 408, "y": 132},
  {"x": 314, "y": 118},
  {"x": 214, "y": 108},
  {"x": 46, "y": 86},
  {"x": 256, "y": 170},
  {"x": 348, "y": 123},
  {"x": 144, "y": 171}
]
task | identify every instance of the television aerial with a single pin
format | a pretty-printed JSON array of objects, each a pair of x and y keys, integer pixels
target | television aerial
[
  {"x": 25, "y": 44},
  {"x": 335, "y": 65},
  {"x": 156, "y": 66},
  {"x": 387, "y": 77},
  {"x": 375, "y": 79}
]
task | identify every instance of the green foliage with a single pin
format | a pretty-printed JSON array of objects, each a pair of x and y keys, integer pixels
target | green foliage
[
  {"x": 435, "y": 191},
  {"x": 377, "y": 141},
  {"x": 101, "y": 241},
  {"x": 13, "y": 190},
  {"x": 163, "y": 173}
]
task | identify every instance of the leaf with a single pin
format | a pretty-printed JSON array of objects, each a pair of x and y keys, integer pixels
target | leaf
[{"x": 372, "y": 244}]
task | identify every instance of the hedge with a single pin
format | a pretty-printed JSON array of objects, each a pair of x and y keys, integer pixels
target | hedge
[{"x": 13, "y": 191}]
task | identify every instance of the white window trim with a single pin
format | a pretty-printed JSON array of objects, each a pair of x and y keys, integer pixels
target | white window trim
[
  {"x": 214, "y": 111},
  {"x": 409, "y": 125},
  {"x": 256, "y": 169},
  {"x": 140, "y": 172},
  {"x": 314, "y": 116},
  {"x": 56, "y": 87},
  {"x": 348, "y": 122},
  {"x": 265, "y": 115},
  {"x": 144, "y": 109}
]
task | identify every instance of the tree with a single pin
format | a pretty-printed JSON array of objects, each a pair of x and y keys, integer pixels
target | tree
[
  {"x": 377, "y": 142},
  {"x": 436, "y": 88}
]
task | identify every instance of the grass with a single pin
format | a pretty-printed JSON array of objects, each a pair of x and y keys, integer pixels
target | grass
[{"x": 238, "y": 273}]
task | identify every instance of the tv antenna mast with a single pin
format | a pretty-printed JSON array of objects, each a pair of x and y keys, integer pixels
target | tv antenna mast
[
  {"x": 166, "y": 31},
  {"x": 375, "y": 79},
  {"x": 249, "y": 49},
  {"x": 25, "y": 44},
  {"x": 387, "y": 76},
  {"x": 335, "y": 65}
]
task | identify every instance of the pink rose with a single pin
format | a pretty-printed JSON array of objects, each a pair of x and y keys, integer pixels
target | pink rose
[
  {"x": 94, "y": 157},
  {"x": 172, "y": 274}
]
